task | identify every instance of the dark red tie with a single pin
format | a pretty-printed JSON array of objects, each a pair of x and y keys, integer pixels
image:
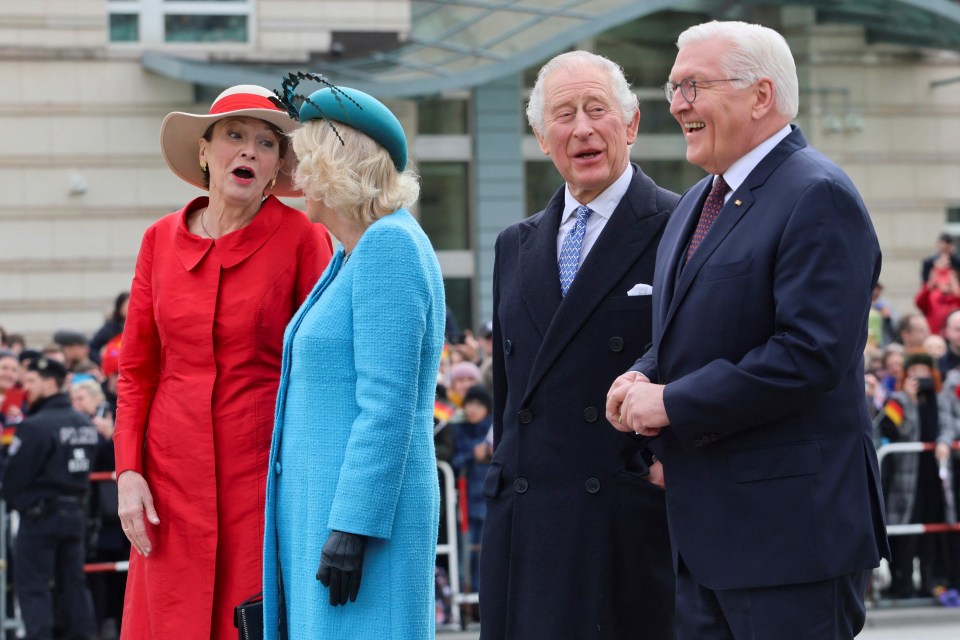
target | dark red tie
[{"x": 711, "y": 209}]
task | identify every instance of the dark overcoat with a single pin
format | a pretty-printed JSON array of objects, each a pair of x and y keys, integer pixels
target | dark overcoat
[{"x": 575, "y": 543}]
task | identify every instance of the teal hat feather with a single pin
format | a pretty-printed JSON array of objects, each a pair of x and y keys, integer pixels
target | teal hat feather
[{"x": 361, "y": 111}]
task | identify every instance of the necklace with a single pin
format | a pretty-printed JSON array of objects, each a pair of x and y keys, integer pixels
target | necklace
[{"x": 203, "y": 226}]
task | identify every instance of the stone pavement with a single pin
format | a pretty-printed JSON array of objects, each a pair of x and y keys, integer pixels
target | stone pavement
[{"x": 894, "y": 623}]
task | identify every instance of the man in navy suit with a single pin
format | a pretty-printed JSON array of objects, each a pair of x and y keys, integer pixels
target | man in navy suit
[
  {"x": 754, "y": 380},
  {"x": 575, "y": 542}
]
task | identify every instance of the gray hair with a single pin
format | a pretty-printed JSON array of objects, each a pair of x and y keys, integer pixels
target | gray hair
[
  {"x": 625, "y": 98},
  {"x": 757, "y": 52}
]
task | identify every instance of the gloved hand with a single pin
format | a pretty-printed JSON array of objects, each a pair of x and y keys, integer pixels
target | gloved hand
[{"x": 341, "y": 565}]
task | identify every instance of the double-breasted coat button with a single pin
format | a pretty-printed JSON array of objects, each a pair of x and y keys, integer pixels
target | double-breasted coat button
[
  {"x": 525, "y": 416},
  {"x": 520, "y": 485},
  {"x": 593, "y": 485},
  {"x": 616, "y": 344},
  {"x": 508, "y": 347},
  {"x": 698, "y": 442},
  {"x": 713, "y": 437},
  {"x": 590, "y": 414}
]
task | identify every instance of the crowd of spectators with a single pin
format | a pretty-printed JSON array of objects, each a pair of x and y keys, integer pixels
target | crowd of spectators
[
  {"x": 93, "y": 369},
  {"x": 912, "y": 383}
]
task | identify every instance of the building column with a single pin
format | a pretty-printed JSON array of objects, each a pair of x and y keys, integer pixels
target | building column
[{"x": 498, "y": 176}]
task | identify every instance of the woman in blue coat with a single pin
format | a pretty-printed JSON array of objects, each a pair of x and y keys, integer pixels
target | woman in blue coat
[{"x": 352, "y": 490}]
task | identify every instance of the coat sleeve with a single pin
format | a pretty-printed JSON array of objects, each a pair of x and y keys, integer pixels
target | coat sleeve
[
  {"x": 827, "y": 260},
  {"x": 499, "y": 370},
  {"x": 949, "y": 407},
  {"x": 391, "y": 308},
  {"x": 139, "y": 363}
]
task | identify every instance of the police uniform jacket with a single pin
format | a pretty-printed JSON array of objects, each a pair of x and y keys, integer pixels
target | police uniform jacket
[
  {"x": 575, "y": 543},
  {"x": 52, "y": 454}
]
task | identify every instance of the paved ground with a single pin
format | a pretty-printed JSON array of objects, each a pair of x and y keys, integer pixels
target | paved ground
[{"x": 906, "y": 623}]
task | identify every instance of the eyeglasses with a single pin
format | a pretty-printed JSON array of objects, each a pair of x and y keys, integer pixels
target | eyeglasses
[{"x": 688, "y": 88}]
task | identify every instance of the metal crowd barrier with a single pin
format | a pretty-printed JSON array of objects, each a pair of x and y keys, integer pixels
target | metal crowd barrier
[
  {"x": 950, "y": 525},
  {"x": 447, "y": 548}
]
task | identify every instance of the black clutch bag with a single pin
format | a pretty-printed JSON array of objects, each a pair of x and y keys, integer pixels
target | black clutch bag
[{"x": 248, "y": 618}]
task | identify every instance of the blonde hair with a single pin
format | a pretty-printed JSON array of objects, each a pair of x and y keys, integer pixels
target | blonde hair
[
  {"x": 91, "y": 387},
  {"x": 350, "y": 172}
]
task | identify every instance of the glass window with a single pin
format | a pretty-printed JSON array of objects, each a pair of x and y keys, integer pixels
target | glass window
[
  {"x": 543, "y": 180},
  {"x": 437, "y": 116},
  {"x": 675, "y": 175},
  {"x": 459, "y": 292},
  {"x": 124, "y": 27},
  {"x": 188, "y": 28},
  {"x": 443, "y": 204}
]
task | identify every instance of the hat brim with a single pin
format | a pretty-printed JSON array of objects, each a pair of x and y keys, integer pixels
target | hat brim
[{"x": 179, "y": 142}]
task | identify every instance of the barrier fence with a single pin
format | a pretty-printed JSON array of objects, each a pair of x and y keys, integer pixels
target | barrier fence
[
  {"x": 448, "y": 548},
  {"x": 455, "y": 518}
]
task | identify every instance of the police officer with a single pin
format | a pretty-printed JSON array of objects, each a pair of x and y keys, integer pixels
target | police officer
[{"x": 46, "y": 479}]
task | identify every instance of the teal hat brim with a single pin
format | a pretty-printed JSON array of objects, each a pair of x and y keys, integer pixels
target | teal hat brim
[{"x": 362, "y": 112}]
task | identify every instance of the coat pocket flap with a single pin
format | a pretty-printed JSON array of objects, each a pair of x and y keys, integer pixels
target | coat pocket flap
[
  {"x": 799, "y": 459},
  {"x": 491, "y": 483}
]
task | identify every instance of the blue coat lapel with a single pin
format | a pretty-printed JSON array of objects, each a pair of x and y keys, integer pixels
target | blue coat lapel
[
  {"x": 733, "y": 211},
  {"x": 538, "y": 264}
]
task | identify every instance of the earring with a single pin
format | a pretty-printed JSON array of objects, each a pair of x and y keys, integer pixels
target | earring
[
  {"x": 203, "y": 166},
  {"x": 273, "y": 183}
]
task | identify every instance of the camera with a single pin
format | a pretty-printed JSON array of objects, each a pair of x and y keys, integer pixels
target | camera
[{"x": 925, "y": 385}]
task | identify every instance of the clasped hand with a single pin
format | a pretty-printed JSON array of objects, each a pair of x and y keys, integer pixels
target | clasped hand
[
  {"x": 636, "y": 404},
  {"x": 341, "y": 565}
]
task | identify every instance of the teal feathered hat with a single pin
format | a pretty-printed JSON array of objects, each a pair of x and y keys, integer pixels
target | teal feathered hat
[{"x": 351, "y": 107}]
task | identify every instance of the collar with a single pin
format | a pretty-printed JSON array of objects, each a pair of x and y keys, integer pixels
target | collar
[
  {"x": 56, "y": 401},
  {"x": 739, "y": 170},
  {"x": 234, "y": 247},
  {"x": 604, "y": 204}
]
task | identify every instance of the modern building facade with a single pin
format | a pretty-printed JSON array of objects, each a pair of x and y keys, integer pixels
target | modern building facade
[{"x": 86, "y": 84}]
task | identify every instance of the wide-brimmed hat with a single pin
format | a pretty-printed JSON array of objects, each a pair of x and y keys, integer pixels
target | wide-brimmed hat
[
  {"x": 362, "y": 112},
  {"x": 180, "y": 132}
]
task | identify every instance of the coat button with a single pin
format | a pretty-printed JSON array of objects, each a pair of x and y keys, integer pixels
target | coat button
[
  {"x": 525, "y": 416},
  {"x": 698, "y": 442},
  {"x": 276, "y": 467},
  {"x": 713, "y": 437},
  {"x": 520, "y": 485},
  {"x": 593, "y": 485},
  {"x": 616, "y": 344},
  {"x": 590, "y": 414},
  {"x": 508, "y": 347}
]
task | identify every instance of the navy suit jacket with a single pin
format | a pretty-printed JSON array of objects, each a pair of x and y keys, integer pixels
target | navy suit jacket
[
  {"x": 771, "y": 473},
  {"x": 575, "y": 542}
]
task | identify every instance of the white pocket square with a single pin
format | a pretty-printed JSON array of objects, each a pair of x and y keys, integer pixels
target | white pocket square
[{"x": 640, "y": 290}]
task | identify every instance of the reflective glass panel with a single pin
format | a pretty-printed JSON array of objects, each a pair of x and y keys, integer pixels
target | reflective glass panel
[
  {"x": 188, "y": 28},
  {"x": 124, "y": 27},
  {"x": 443, "y": 204}
]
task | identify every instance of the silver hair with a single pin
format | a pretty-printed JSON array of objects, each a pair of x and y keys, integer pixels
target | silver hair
[
  {"x": 624, "y": 96},
  {"x": 757, "y": 52}
]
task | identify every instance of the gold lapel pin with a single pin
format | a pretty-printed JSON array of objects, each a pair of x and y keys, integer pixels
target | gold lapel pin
[{"x": 738, "y": 202}]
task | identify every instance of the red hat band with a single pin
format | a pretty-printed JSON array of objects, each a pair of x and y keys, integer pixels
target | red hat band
[{"x": 239, "y": 101}]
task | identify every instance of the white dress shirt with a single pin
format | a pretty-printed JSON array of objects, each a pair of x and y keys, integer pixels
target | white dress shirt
[
  {"x": 602, "y": 206},
  {"x": 740, "y": 169}
]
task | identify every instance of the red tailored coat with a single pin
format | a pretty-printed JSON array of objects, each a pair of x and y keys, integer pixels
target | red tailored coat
[{"x": 199, "y": 369}]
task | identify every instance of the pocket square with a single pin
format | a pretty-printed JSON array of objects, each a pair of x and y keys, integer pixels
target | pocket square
[{"x": 640, "y": 290}]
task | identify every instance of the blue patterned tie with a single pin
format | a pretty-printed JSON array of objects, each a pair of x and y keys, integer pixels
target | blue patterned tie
[{"x": 569, "y": 260}]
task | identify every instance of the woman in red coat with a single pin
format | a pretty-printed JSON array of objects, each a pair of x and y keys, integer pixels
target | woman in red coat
[{"x": 214, "y": 288}]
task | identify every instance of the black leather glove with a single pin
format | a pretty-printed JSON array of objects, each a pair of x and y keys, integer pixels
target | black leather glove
[{"x": 341, "y": 565}]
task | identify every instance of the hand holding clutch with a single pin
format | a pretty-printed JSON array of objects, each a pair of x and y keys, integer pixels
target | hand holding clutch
[{"x": 341, "y": 565}]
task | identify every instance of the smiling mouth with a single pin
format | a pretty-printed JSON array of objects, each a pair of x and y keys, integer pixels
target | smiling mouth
[
  {"x": 693, "y": 126},
  {"x": 587, "y": 155}
]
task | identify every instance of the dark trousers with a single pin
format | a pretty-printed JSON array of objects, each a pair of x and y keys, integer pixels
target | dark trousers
[
  {"x": 828, "y": 610},
  {"x": 49, "y": 554}
]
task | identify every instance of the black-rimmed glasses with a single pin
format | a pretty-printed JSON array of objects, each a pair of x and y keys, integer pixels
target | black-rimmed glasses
[{"x": 688, "y": 88}]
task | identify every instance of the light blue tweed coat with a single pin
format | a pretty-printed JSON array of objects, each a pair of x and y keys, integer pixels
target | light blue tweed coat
[{"x": 353, "y": 442}]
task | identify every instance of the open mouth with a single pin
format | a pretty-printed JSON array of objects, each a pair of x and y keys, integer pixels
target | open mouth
[
  {"x": 693, "y": 126},
  {"x": 243, "y": 172},
  {"x": 588, "y": 155}
]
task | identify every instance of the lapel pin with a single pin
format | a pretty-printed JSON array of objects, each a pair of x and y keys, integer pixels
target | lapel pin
[{"x": 738, "y": 202}]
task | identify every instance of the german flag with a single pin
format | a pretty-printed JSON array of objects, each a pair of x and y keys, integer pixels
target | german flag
[
  {"x": 442, "y": 411},
  {"x": 893, "y": 412},
  {"x": 7, "y": 436}
]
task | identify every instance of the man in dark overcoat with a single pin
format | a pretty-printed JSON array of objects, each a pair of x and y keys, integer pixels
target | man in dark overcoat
[{"x": 575, "y": 544}]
